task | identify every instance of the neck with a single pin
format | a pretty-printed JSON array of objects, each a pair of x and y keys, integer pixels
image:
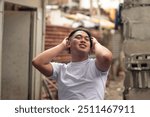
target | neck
[{"x": 78, "y": 58}]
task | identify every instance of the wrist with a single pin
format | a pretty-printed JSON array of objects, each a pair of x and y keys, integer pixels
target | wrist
[
  {"x": 62, "y": 45},
  {"x": 96, "y": 43}
]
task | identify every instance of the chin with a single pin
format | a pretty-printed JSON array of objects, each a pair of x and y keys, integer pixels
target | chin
[{"x": 83, "y": 51}]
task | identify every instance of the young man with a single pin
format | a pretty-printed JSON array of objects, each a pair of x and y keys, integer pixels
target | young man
[{"x": 83, "y": 78}]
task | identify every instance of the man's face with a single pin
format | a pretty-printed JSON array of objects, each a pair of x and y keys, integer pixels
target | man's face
[{"x": 80, "y": 42}]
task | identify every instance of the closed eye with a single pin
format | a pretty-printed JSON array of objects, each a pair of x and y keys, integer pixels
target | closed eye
[{"x": 80, "y": 37}]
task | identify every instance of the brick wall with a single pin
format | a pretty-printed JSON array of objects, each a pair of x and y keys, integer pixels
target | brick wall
[{"x": 54, "y": 36}]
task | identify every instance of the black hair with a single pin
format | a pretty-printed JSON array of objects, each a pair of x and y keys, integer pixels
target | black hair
[{"x": 82, "y": 29}]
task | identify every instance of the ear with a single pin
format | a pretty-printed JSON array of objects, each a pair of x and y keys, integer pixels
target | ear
[{"x": 68, "y": 43}]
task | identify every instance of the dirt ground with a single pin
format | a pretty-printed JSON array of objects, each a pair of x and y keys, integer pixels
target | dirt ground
[{"x": 115, "y": 89}]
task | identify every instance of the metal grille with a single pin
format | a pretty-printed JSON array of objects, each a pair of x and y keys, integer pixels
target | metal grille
[{"x": 139, "y": 67}]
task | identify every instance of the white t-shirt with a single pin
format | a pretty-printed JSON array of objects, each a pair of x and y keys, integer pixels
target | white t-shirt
[{"x": 79, "y": 80}]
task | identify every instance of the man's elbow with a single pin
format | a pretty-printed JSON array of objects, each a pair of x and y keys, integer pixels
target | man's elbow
[
  {"x": 108, "y": 57},
  {"x": 45, "y": 69},
  {"x": 36, "y": 63},
  {"x": 104, "y": 62}
]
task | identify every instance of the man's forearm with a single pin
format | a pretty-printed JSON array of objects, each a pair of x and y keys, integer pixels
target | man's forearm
[
  {"x": 101, "y": 51},
  {"x": 103, "y": 57},
  {"x": 46, "y": 56}
]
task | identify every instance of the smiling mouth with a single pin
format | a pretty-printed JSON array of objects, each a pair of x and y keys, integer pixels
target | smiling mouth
[{"x": 82, "y": 45}]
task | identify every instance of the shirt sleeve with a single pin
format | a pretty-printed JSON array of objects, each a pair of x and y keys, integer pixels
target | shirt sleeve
[
  {"x": 97, "y": 71},
  {"x": 56, "y": 70}
]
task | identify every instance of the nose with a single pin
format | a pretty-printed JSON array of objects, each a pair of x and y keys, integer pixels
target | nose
[{"x": 83, "y": 40}]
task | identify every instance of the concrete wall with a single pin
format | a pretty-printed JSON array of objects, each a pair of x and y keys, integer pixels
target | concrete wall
[
  {"x": 15, "y": 55},
  {"x": 136, "y": 28},
  {"x": 1, "y": 34}
]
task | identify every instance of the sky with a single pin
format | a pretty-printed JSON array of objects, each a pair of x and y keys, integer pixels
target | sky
[
  {"x": 103, "y": 3},
  {"x": 110, "y": 3}
]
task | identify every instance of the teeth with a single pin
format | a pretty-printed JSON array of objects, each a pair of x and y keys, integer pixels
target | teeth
[{"x": 82, "y": 46}]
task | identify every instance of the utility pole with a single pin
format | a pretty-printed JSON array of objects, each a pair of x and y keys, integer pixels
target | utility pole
[{"x": 91, "y": 7}]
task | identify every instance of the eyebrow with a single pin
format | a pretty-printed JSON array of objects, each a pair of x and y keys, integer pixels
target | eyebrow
[
  {"x": 81, "y": 35},
  {"x": 78, "y": 35}
]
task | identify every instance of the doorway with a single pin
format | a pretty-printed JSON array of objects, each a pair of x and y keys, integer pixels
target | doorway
[{"x": 17, "y": 52}]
